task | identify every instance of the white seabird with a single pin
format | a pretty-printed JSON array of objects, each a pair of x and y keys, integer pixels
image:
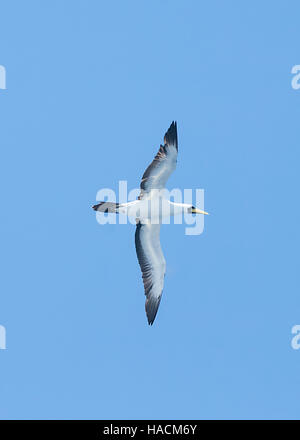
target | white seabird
[{"x": 149, "y": 210}]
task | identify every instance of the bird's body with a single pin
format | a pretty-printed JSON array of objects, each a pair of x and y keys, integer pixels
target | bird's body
[
  {"x": 153, "y": 207},
  {"x": 149, "y": 211}
]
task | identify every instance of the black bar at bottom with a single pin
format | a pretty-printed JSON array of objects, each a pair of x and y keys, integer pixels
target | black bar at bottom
[{"x": 136, "y": 429}]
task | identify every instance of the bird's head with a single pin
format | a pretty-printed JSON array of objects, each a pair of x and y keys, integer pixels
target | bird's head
[{"x": 193, "y": 210}]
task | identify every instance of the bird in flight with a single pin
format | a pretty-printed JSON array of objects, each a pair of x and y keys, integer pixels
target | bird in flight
[{"x": 149, "y": 210}]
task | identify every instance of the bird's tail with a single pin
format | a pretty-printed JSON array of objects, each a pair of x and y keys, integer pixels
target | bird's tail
[{"x": 107, "y": 207}]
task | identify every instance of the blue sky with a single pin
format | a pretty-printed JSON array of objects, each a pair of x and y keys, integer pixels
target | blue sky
[{"x": 91, "y": 88}]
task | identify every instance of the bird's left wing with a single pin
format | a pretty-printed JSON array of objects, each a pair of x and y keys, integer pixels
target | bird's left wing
[
  {"x": 153, "y": 265},
  {"x": 164, "y": 163}
]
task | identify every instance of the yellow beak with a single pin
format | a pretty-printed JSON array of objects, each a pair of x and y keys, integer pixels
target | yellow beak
[{"x": 198, "y": 211}]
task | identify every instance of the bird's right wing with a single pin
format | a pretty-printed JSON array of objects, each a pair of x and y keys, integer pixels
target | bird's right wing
[
  {"x": 153, "y": 265},
  {"x": 164, "y": 163}
]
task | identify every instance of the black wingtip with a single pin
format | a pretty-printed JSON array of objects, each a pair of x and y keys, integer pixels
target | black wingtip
[
  {"x": 151, "y": 307},
  {"x": 171, "y": 135}
]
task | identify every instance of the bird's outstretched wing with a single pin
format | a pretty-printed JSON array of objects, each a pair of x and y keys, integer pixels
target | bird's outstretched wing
[
  {"x": 164, "y": 163},
  {"x": 153, "y": 265}
]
